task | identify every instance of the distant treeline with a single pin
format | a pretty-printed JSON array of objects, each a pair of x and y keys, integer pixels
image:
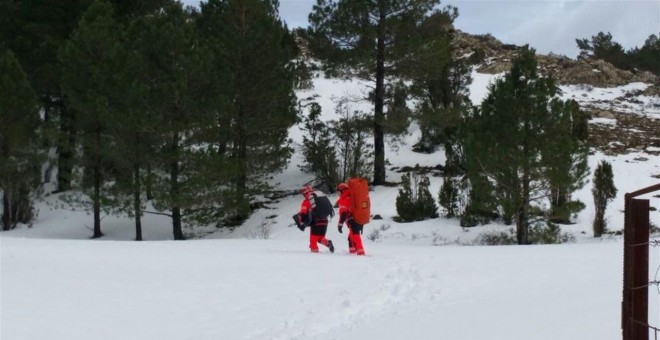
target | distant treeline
[{"x": 602, "y": 46}]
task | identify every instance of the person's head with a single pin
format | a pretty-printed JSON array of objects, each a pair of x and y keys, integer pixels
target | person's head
[
  {"x": 306, "y": 190},
  {"x": 341, "y": 187}
]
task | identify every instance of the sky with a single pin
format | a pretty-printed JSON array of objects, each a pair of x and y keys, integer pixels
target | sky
[
  {"x": 420, "y": 280},
  {"x": 547, "y": 26}
]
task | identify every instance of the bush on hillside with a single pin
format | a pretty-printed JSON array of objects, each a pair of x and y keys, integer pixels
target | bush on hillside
[
  {"x": 448, "y": 197},
  {"x": 603, "y": 192},
  {"x": 414, "y": 202}
]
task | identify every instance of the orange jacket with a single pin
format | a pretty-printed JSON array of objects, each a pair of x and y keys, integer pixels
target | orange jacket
[
  {"x": 344, "y": 203},
  {"x": 305, "y": 206}
]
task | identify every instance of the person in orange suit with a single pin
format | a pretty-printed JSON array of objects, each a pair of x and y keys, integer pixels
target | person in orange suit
[
  {"x": 318, "y": 226},
  {"x": 345, "y": 216}
]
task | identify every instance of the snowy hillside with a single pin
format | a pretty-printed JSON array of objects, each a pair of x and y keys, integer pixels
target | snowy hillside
[{"x": 259, "y": 281}]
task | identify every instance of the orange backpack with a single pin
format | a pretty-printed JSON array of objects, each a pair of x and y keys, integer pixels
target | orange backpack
[{"x": 360, "y": 203}]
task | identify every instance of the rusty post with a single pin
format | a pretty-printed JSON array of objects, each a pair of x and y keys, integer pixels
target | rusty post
[
  {"x": 627, "y": 266},
  {"x": 640, "y": 278},
  {"x": 635, "y": 273}
]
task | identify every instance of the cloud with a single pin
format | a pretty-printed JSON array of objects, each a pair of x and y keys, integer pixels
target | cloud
[
  {"x": 548, "y": 26},
  {"x": 553, "y": 26}
]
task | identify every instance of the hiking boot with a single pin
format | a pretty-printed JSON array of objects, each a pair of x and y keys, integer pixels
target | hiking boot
[
  {"x": 331, "y": 246},
  {"x": 360, "y": 252},
  {"x": 315, "y": 250},
  {"x": 352, "y": 250}
]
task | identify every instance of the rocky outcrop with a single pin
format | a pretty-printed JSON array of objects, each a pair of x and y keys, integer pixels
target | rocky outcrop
[
  {"x": 595, "y": 72},
  {"x": 492, "y": 56}
]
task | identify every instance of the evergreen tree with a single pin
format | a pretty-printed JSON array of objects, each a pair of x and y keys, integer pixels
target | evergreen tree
[
  {"x": 336, "y": 150},
  {"x": 90, "y": 64},
  {"x": 566, "y": 159},
  {"x": 182, "y": 95},
  {"x": 603, "y": 192},
  {"x": 449, "y": 196},
  {"x": 318, "y": 147},
  {"x": 134, "y": 129},
  {"x": 405, "y": 199},
  {"x": 440, "y": 82},
  {"x": 351, "y": 144},
  {"x": 36, "y": 30},
  {"x": 648, "y": 57},
  {"x": 507, "y": 139},
  {"x": 602, "y": 46},
  {"x": 371, "y": 40},
  {"x": 19, "y": 147},
  {"x": 415, "y": 202},
  {"x": 304, "y": 67},
  {"x": 258, "y": 49}
]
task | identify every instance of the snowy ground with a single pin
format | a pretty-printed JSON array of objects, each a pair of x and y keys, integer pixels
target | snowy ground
[{"x": 416, "y": 282}]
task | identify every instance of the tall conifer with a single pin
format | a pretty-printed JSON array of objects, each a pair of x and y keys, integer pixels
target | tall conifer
[
  {"x": 91, "y": 65},
  {"x": 510, "y": 140},
  {"x": 257, "y": 50},
  {"x": 19, "y": 161},
  {"x": 372, "y": 40}
]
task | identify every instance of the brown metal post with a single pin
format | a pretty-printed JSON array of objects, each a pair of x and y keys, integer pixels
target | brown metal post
[
  {"x": 627, "y": 266},
  {"x": 634, "y": 308},
  {"x": 640, "y": 277}
]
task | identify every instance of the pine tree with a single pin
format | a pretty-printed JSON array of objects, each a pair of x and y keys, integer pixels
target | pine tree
[
  {"x": 415, "y": 202},
  {"x": 371, "y": 40},
  {"x": 90, "y": 65},
  {"x": 566, "y": 159},
  {"x": 19, "y": 143},
  {"x": 602, "y": 46},
  {"x": 36, "y": 30},
  {"x": 603, "y": 192},
  {"x": 260, "y": 90},
  {"x": 405, "y": 199},
  {"x": 181, "y": 94},
  {"x": 449, "y": 196},
  {"x": 440, "y": 82},
  {"x": 318, "y": 147},
  {"x": 507, "y": 139},
  {"x": 134, "y": 127},
  {"x": 351, "y": 135},
  {"x": 648, "y": 56},
  {"x": 426, "y": 203}
]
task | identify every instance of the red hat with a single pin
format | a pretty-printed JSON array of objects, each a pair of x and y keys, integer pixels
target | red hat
[
  {"x": 342, "y": 186},
  {"x": 306, "y": 189}
]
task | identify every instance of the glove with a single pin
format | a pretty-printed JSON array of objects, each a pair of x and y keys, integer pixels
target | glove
[
  {"x": 299, "y": 222},
  {"x": 339, "y": 228}
]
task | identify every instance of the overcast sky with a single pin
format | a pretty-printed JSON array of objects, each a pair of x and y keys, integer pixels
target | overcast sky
[{"x": 548, "y": 26}]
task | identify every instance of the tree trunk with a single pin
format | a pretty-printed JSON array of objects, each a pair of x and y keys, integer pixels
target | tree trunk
[
  {"x": 149, "y": 184},
  {"x": 379, "y": 100},
  {"x": 66, "y": 147},
  {"x": 240, "y": 153},
  {"x": 97, "y": 202},
  {"x": 174, "y": 190},
  {"x": 599, "y": 219},
  {"x": 522, "y": 222},
  {"x": 137, "y": 207},
  {"x": 6, "y": 209},
  {"x": 6, "y": 220}
]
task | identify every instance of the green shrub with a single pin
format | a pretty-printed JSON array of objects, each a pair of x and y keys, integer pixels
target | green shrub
[
  {"x": 414, "y": 202},
  {"x": 496, "y": 238}
]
